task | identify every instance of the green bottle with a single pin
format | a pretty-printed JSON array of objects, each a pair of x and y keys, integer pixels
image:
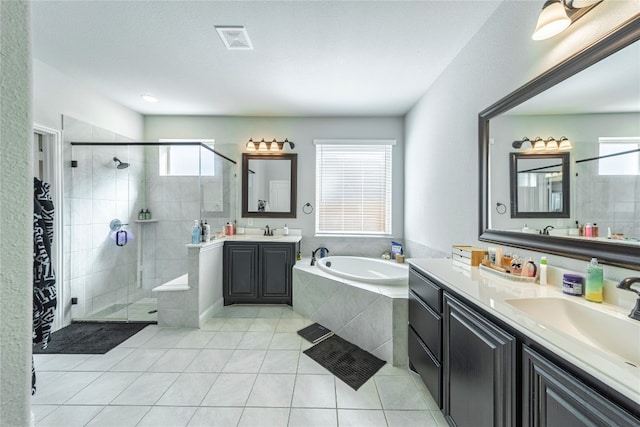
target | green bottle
[{"x": 593, "y": 285}]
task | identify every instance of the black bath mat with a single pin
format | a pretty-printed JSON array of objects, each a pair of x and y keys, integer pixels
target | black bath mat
[
  {"x": 315, "y": 333},
  {"x": 353, "y": 365},
  {"x": 89, "y": 337}
]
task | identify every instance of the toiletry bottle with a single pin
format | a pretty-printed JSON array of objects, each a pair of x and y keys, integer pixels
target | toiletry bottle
[
  {"x": 529, "y": 268},
  {"x": 147, "y": 214},
  {"x": 195, "y": 232},
  {"x": 285, "y": 230},
  {"x": 543, "y": 271},
  {"x": 588, "y": 230},
  {"x": 593, "y": 285},
  {"x": 141, "y": 214},
  {"x": 299, "y": 256},
  {"x": 202, "y": 231},
  {"x": 207, "y": 231},
  {"x": 499, "y": 256}
]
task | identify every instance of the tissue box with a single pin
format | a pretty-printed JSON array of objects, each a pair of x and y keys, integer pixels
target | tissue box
[{"x": 467, "y": 255}]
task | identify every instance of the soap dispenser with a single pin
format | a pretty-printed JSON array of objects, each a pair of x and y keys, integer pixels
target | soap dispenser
[{"x": 593, "y": 285}]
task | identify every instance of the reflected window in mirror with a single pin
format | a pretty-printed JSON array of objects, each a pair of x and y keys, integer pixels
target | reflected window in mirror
[
  {"x": 269, "y": 185},
  {"x": 539, "y": 185}
]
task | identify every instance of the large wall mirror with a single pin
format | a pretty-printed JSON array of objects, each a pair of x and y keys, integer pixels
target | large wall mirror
[
  {"x": 592, "y": 98},
  {"x": 269, "y": 185}
]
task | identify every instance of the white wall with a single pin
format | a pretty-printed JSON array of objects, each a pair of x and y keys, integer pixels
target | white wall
[
  {"x": 232, "y": 133},
  {"x": 16, "y": 214},
  {"x": 441, "y": 144},
  {"x": 55, "y": 94}
]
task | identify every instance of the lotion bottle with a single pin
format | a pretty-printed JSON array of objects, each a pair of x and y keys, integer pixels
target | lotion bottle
[
  {"x": 543, "y": 271},
  {"x": 285, "y": 230},
  {"x": 594, "y": 282},
  {"x": 195, "y": 232}
]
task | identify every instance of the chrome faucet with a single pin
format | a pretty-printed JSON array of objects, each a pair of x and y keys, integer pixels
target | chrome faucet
[
  {"x": 626, "y": 285},
  {"x": 313, "y": 254},
  {"x": 267, "y": 232},
  {"x": 545, "y": 231}
]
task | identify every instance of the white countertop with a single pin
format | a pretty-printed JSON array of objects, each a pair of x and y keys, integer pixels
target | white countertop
[
  {"x": 489, "y": 293},
  {"x": 252, "y": 235}
]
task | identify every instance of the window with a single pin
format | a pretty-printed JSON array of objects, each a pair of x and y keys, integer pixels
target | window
[
  {"x": 621, "y": 164},
  {"x": 184, "y": 160},
  {"x": 353, "y": 187}
]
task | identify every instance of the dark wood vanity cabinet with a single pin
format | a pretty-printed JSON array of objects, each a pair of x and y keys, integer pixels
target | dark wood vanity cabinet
[
  {"x": 479, "y": 369},
  {"x": 554, "y": 397},
  {"x": 425, "y": 332},
  {"x": 258, "y": 273}
]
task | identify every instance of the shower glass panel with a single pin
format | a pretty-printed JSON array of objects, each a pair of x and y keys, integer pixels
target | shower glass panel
[{"x": 117, "y": 255}]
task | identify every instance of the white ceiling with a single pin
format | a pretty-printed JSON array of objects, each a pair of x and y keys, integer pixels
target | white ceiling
[{"x": 310, "y": 58}]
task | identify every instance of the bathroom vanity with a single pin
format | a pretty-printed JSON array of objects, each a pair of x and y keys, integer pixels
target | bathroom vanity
[
  {"x": 496, "y": 352},
  {"x": 258, "y": 270}
]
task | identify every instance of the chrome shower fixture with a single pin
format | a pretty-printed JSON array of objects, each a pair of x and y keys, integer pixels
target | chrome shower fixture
[{"x": 121, "y": 164}]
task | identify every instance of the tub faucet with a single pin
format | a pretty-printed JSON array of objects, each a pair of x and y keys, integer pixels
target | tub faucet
[
  {"x": 545, "y": 231},
  {"x": 626, "y": 285},
  {"x": 313, "y": 254}
]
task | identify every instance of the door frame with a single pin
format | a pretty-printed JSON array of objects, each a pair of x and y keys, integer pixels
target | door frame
[{"x": 53, "y": 171}]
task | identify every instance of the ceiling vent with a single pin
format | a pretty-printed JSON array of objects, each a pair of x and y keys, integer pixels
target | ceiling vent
[{"x": 234, "y": 38}]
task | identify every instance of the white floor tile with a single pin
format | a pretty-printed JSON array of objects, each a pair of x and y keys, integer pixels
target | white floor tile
[
  {"x": 139, "y": 360},
  {"x": 173, "y": 416},
  {"x": 104, "y": 389},
  {"x": 314, "y": 391},
  {"x": 121, "y": 416},
  {"x": 307, "y": 365},
  {"x": 255, "y": 340},
  {"x": 245, "y": 361},
  {"x": 306, "y": 417},
  {"x": 195, "y": 339},
  {"x": 57, "y": 389},
  {"x": 410, "y": 418},
  {"x": 214, "y": 324},
  {"x": 146, "y": 389},
  {"x": 280, "y": 362},
  {"x": 225, "y": 339},
  {"x": 272, "y": 390},
  {"x": 365, "y": 398},
  {"x": 166, "y": 338},
  {"x": 230, "y": 390},
  {"x": 210, "y": 361},
  {"x": 141, "y": 337},
  {"x": 41, "y": 411},
  {"x": 272, "y": 417},
  {"x": 292, "y": 325},
  {"x": 62, "y": 362},
  {"x": 361, "y": 418},
  {"x": 237, "y": 325},
  {"x": 285, "y": 341},
  {"x": 188, "y": 390},
  {"x": 70, "y": 416},
  {"x": 399, "y": 392},
  {"x": 174, "y": 360},
  {"x": 215, "y": 417},
  {"x": 104, "y": 362}
]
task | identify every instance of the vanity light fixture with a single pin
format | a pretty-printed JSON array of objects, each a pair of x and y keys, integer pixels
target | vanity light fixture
[
  {"x": 273, "y": 146},
  {"x": 565, "y": 144},
  {"x": 551, "y": 143},
  {"x": 539, "y": 144},
  {"x": 558, "y": 15}
]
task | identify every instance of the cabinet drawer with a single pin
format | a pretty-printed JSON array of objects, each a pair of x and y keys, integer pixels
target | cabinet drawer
[
  {"x": 427, "y": 324},
  {"x": 429, "y": 292},
  {"x": 426, "y": 366}
]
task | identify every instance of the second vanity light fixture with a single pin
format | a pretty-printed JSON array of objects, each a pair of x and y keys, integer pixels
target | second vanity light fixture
[
  {"x": 542, "y": 144},
  {"x": 273, "y": 146},
  {"x": 558, "y": 15}
]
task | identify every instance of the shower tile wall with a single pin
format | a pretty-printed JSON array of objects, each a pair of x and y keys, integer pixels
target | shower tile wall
[
  {"x": 175, "y": 202},
  {"x": 610, "y": 200},
  {"x": 97, "y": 272}
]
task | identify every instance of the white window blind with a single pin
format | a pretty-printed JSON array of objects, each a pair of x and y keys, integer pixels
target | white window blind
[
  {"x": 186, "y": 160},
  {"x": 353, "y": 187}
]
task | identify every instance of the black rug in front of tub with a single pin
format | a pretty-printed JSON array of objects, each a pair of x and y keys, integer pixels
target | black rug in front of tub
[
  {"x": 353, "y": 365},
  {"x": 89, "y": 337}
]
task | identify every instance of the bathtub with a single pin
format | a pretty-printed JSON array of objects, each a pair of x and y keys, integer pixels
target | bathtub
[
  {"x": 363, "y": 300},
  {"x": 367, "y": 270}
]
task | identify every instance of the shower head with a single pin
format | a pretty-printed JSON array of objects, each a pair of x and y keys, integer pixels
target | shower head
[{"x": 121, "y": 165}]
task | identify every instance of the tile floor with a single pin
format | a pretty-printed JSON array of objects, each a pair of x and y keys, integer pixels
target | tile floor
[{"x": 244, "y": 368}]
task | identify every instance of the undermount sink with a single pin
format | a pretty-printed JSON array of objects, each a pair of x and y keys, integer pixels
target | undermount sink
[{"x": 604, "y": 331}]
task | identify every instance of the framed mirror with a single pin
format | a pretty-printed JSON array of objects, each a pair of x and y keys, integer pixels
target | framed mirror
[
  {"x": 588, "y": 98},
  {"x": 269, "y": 185},
  {"x": 539, "y": 185}
]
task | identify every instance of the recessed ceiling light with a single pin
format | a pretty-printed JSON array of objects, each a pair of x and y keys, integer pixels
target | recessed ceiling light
[
  {"x": 148, "y": 98},
  {"x": 234, "y": 37}
]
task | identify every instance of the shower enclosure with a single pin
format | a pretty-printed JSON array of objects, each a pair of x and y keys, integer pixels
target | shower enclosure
[{"x": 115, "y": 255}]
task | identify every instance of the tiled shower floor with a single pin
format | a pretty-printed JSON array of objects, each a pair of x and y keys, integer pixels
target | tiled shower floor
[{"x": 244, "y": 368}]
